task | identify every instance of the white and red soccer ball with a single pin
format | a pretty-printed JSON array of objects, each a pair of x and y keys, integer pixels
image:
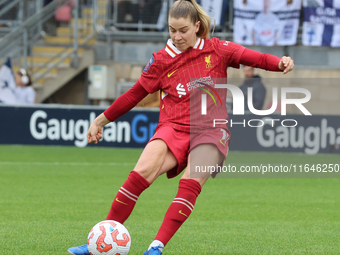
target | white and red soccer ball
[{"x": 109, "y": 238}]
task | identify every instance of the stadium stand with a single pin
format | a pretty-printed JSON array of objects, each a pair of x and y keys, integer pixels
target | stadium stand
[{"x": 98, "y": 34}]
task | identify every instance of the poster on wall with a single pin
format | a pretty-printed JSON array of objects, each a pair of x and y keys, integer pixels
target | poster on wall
[
  {"x": 215, "y": 9},
  {"x": 266, "y": 22},
  {"x": 321, "y": 26}
]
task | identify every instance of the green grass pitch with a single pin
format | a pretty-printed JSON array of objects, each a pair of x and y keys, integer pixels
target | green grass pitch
[{"x": 50, "y": 197}]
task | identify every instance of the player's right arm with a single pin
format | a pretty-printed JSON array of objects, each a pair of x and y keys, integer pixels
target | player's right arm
[
  {"x": 148, "y": 83},
  {"x": 122, "y": 105}
]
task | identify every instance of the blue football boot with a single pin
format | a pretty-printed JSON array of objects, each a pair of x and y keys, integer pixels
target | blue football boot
[
  {"x": 154, "y": 251},
  {"x": 80, "y": 250}
]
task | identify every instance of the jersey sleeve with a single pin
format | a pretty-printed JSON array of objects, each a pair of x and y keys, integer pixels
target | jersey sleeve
[
  {"x": 260, "y": 60},
  {"x": 125, "y": 102},
  {"x": 151, "y": 75},
  {"x": 231, "y": 52}
]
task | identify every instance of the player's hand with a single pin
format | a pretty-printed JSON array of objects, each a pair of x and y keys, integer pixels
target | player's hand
[
  {"x": 286, "y": 64},
  {"x": 95, "y": 132}
]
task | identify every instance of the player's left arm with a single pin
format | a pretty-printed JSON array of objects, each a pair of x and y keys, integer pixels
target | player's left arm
[
  {"x": 266, "y": 61},
  {"x": 235, "y": 55}
]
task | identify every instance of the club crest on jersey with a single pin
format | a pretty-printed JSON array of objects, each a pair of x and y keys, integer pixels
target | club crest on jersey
[
  {"x": 146, "y": 69},
  {"x": 181, "y": 90},
  {"x": 208, "y": 61}
]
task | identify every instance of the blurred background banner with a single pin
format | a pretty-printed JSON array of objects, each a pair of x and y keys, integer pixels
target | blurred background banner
[
  {"x": 266, "y": 22},
  {"x": 215, "y": 9},
  {"x": 321, "y": 26},
  {"x": 68, "y": 125},
  {"x": 7, "y": 84},
  {"x": 88, "y": 53},
  {"x": 311, "y": 135}
]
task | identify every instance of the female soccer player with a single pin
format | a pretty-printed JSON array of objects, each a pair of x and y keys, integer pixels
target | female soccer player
[{"x": 189, "y": 61}]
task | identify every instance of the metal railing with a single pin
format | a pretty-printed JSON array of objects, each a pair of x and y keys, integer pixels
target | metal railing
[
  {"x": 14, "y": 12},
  {"x": 125, "y": 21},
  {"x": 129, "y": 21},
  {"x": 20, "y": 41},
  {"x": 10, "y": 15}
]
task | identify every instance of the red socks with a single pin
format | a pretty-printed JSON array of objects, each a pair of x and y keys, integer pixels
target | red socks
[
  {"x": 127, "y": 196},
  {"x": 179, "y": 210}
]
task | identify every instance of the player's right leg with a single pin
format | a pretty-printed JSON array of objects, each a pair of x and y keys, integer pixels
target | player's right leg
[
  {"x": 189, "y": 188},
  {"x": 155, "y": 160}
]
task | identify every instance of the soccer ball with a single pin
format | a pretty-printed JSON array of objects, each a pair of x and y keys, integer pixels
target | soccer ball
[{"x": 109, "y": 237}]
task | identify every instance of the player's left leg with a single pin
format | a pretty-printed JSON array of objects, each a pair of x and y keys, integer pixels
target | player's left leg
[
  {"x": 189, "y": 188},
  {"x": 155, "y": 160}
]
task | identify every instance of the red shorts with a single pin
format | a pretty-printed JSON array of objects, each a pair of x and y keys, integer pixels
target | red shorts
[{"x": 180, "y": 143}]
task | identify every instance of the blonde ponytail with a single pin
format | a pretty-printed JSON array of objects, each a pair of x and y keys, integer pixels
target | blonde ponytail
[{"x": 191, "y": 9}]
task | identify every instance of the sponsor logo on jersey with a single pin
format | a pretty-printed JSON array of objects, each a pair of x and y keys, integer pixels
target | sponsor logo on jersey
[
  {"x": 181, "y": 90},
  {"x": 208, "y": 61},
  {"x": 146, "y": 69},
  {"x": 199, "y": 83},
  {"x": 208, "y": 92},
  {"x": 207, "y": 85}
]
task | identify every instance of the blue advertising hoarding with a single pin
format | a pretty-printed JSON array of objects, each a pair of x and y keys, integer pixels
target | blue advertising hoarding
[{"x": 68, "y": 125}]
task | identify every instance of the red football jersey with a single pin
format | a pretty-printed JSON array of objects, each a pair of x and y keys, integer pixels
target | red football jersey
[{"x": 178, "y": 74}]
